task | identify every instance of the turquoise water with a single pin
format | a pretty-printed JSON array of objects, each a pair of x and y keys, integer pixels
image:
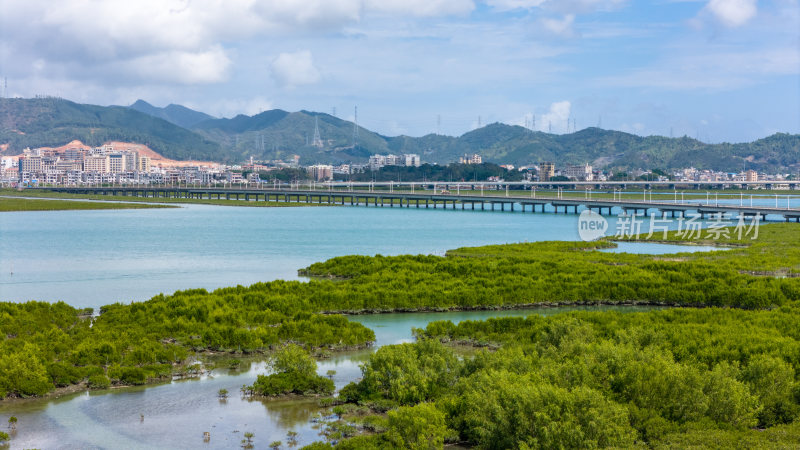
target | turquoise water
[{"x": 93, "y": 258}]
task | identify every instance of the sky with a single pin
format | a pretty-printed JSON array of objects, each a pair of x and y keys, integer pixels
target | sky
[{"x": 717, "y": 70}]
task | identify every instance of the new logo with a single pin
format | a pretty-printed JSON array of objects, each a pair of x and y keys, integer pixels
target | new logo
[{"x": 591, "y": 225}]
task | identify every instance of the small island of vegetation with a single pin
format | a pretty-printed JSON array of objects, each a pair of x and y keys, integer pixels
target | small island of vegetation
[{"x": 294, "y": 372}]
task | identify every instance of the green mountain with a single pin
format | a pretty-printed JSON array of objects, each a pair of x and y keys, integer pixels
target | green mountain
[
  {"x": 177, "y": 114},
  {"x": 279, "y": 134},
  {"x": 51, "y": 122}
]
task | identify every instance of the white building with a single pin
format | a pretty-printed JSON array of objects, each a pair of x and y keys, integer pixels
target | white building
[
  {"x": 474, "y": 159},
  {"x": 582, "y": 172},
  {"x": 412, "y": 160},
  {"x": 377, "y": 161}
]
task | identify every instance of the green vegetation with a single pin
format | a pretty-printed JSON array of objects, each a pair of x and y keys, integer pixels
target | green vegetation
[
  {"x": 43, "y": 346},
  {"x": 661, "y": 379},
  {"x": 562, "y": 272},
  {"x": 247, "y": 442},
  {"x": 294, "y": 372},
  {"x": 24, "y": 204},
  {"x": 439, "y": 173},
  {"x": 3, "y": 437},
  {"x": 152, "y": 202},
  {"x": 53, "y": 122},
  {"x": 668, "y": 378}
]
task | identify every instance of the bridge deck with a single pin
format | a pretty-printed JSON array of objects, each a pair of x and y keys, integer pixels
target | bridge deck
[{"x": 408, "y": 199}]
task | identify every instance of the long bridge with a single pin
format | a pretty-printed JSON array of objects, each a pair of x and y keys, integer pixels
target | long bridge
[{"x": 511, "y": 200}]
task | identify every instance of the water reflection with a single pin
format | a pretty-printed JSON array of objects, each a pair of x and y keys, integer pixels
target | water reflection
[{"x": 178, "y": 413}]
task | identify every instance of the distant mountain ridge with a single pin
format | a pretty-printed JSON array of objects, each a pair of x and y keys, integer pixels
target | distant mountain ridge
[
  {"x": 177, "y": 114},
  {"x": 52, "y": 122},
  {"x": 278, "y": 134}
]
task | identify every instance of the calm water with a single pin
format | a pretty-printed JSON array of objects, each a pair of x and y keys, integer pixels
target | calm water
[
  {"x": 93, "y": 258},
  {"x": 177, "y": 414}
]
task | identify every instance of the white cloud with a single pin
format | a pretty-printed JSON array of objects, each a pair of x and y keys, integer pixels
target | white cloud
[
  {"x": 295, "y": 69},
  {"x": 181, "y": 67},
  {"x": 555, "y": 120},
  {"x": 561, "y": 27},
  {"x": 732, "y": 13},
  {"x": 190, "y": 36},
  {"x": 507, "y": 5},
  {"x": 420, "y": 8},
  {"x": 562, "y": 6}
]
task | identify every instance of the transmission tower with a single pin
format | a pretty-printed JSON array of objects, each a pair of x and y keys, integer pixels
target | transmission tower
[
  {"x": 438, "y": 124},
  {"x": 355, "y": 127},
  {"x": 317, "y": 142}
]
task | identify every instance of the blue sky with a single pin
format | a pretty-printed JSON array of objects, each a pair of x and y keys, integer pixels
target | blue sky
[{"x": 720, "y": 70}]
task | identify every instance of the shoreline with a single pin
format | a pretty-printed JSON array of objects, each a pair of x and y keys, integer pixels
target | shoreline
[
  {"x": 523, "y": 306},
  {"x": 160, "y": 202}
]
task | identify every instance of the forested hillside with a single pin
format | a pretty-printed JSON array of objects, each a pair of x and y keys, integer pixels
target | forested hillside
[
  {"x": 53, "y": 122},
  {"x": 278, "y": 134}
]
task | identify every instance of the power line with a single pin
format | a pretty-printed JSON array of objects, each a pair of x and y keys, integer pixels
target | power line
[
  {"x": 355, "y": 127},
  {"x": 317, "y": 142}
]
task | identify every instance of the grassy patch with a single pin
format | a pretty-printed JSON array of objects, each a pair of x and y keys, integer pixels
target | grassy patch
[{"x": 24, "y": 204}]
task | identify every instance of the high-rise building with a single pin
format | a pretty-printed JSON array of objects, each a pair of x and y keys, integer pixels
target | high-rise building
[
  {"x": 96, "y": 163},
  {"x": 751, "y": 175},
  {"x": 377, "y": 161},
  {"x": 143, "y": 163},
  {"x": 547, "y": 170},
  {"x": 30, "y": 164},
  {"x": 117, "y": 162},
  {"x": 321, "y": 172},
  {"x": 131, "y": 163},
  {"x": 393, "y": 160},
  {"x": 412, "y": 160}
]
